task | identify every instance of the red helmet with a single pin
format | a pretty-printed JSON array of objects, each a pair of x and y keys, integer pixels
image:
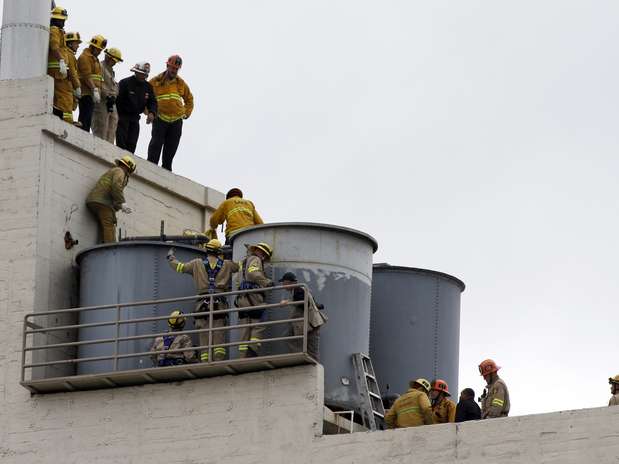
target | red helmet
[
  {"x": 488, "y": 366},
  {"x": 441, "y": 386},
  {"x": 175, "y": 61}
]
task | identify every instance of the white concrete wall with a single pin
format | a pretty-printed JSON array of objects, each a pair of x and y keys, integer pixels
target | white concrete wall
[{"x": 46, "y": 170}]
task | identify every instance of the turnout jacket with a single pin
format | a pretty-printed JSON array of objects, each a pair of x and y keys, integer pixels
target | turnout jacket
[
  {"x": 495, "y": 401},
  {"x": 174, "y": 99},
  {"x": 410, "y": 410},
  {"x": 109, "y": 189},
  {"x": 179, "y": 342},
  {"x": 237, "y": 213},
  {"x": 90, "y": 72},
  {"x": 614, "y": 400},
  {"x": 444, "y": 411}
]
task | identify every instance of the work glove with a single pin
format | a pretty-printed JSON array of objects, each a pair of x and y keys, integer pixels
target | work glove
[
  {"x": 96, "y": 95},
  {"x": 211, "y": 234},
  {"x": 78, "y": 93},
  {"x": 170, "y": 255},
  {"x": 64, "y": 70},
  {"x": 125, "y": 209},
  {"x": 150, "y": 117},
  {"x": 110, "y": 101}
]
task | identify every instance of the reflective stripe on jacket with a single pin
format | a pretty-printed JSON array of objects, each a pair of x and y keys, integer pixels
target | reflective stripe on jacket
[
  {"x": 109, "y": 189},
  {"x": 174, "y": 99},
  {"x": 57, "y": 45},
  {"x": 410, "y": 410},
  {"x": 496, "y": 401},
  {"x": 237, "y": 213}
]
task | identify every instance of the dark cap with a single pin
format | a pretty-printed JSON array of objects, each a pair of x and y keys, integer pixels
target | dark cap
[{"x": 288, "y": 277}]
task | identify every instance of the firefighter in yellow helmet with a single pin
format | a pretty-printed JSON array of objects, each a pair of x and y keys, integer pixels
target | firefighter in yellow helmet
[
  {"x": 174, "y": 104},
  {"x": 252, "y": 277},
  {"x": 614, "y": 390},
  {"x": 58, "y": 67},
  {"x": 172, "y": 342},
  {"x": 443, "y": 409},
  {"x": 91, "y": 79},
  {"x": 495, "y": 399},
  {"x": 107, "y": 197},
  {"x": 210, "y": 276},
  {"x": 73, "y": 41},
  {"x": 236, "y": 212},
  {"x": 105, "y": 118},
  {"x": 412, "y": 408}
]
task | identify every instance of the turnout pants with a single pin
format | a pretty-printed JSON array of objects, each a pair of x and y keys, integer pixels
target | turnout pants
[
  {"x": 219, "y": 337},
  {"x": 127, "y": 132},
  {"x": 87, "y": 106},
  {"x": 106, "y": 218},
  {"x": 63, "y": 99},
  {"x": 250, "y": 334},
  {"x": 104, "y": 122},
  {"x": 166, "y": 135},
  {"x": 313, "y": 336}
]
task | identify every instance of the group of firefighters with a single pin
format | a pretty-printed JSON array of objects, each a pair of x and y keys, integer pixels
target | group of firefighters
[{"x": 112, "y": 109}]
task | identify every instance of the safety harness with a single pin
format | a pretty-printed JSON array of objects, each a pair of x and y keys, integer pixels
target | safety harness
[{"x": 167, "y": 343}]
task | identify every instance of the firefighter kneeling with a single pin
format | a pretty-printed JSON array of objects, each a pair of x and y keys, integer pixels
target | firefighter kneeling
[{"x": 174, "y": 342}]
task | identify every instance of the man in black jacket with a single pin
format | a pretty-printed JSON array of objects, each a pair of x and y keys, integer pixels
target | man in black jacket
[
  {"x": 467, "y": 408},
  {"x": 135, "y": 96}
]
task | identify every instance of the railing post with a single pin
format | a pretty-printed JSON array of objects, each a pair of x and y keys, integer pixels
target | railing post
[
  {"x": 23, "y": 350},
  {"x": 211, "y": 306},
  {"x": 116, "y": 337},
  {"x": 305, "y": 317}
]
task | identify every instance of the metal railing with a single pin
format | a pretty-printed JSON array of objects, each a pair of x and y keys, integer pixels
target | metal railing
[{"x": 32, "y": 329}]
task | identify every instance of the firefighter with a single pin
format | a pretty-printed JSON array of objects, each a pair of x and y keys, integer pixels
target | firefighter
[
  {"x": 107, "y": 197},
  {"x": 176, "y": 322},
  {"x": 174, "y": 103},
  {"x": 467, "y": 408},
  {"x": 135, "y": 96},
  {"x": 614, "y": 390},
  {"x": 105, "y": 117},
  {"x": 73, "y": 41},
  {"x": 58, "y": 67},
  {"x": 211, "y": 276},
  {"x": 236, "y": 212},
  {"x": 495, "y": 399},
  {"x": 412, "y": 408},
  {"x": 91, "y": 79},
  {"x": 443, "y": 409},
  {"x": 316, "y": 317},
  {"x": 252, "y": 277}
]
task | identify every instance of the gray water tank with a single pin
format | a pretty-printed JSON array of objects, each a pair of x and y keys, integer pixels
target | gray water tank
[
  {"x": 128, "y": 272},
  {"x": 415, "y": 326},
  {"x": 336, "y": 264}
]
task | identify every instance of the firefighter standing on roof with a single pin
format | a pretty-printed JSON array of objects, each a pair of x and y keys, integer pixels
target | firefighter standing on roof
[
  {"x": 412, "y": 408},
  {"x": 58, "y": 68},
  {"x": 73, "y": 41},
  {"x": 91, "y": 79},
  {"x": 443, "y": 409},
  {"x": 614, "y": 390},
  {"x": 236, "y": 212},
  {"x": 105, "y": 117},
  {"x": 212, "y": 275},
  {"x": 495, "y": 399},
  {"x": 176, "y": 322},
  {"x": 252, "y": 277},
  {"x": 174, "y": 103},
  {"x": 107, "y": 197}
]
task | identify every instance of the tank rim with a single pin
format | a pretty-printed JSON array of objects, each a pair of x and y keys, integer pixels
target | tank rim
[
  {"x": 315, "y": 225},
  {"x": 389, "y": 267},
  {"x": 130, "y": 243}
]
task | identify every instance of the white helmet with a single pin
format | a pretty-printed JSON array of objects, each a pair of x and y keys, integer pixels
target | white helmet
[{"x": 143, "y": 67}]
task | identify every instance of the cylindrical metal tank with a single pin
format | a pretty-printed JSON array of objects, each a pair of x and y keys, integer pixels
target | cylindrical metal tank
[
  {"x": 415, "y": 326},
  {"x": 336, "y": 264},
  {"x": 128, "y": 272}
]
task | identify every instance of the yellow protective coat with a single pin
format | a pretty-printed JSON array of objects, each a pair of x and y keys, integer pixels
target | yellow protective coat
[
  {"x": 410, "y": 410},
  {"x": 174, "y": 99},
  {"x": 73, "y": 74},
  {"x": 109, "y": 188},
  {"x": 63, "y": 89},
  {"x": 496, "y": 401},
  {"x": 90, "y": 72},
  {"x": 444, "y": 411},
  {"x": 237, "y": 213}
]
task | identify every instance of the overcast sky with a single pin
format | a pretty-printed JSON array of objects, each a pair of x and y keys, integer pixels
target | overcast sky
[{"x": 477, "y": 138}]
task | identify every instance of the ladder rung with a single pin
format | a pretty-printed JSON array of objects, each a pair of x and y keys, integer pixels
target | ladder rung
[
  {"x": 376, "y": 413},
  {"x": 375, "y": 395},
  {"x": 370, "y": 376}
]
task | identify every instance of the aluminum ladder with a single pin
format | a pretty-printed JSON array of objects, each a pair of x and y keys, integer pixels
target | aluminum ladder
[{"x": 371, "y": 407}]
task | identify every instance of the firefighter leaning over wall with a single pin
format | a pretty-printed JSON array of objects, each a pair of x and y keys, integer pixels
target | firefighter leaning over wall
[{"x": 212, "y": 275}]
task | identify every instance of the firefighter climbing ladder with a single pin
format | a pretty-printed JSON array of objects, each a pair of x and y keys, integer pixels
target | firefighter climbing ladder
[{"x": 372, "y": 411}]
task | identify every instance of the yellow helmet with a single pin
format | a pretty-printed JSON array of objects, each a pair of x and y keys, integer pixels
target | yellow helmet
[
  {"x": 98, "y": 41},
  {"x": 72, "y": 37},
  {"x": 423, "y": 383},
  {"x": 114, "y": 53},
  {"x": 614, "y": 380},
  {"x": 176, "y": 319},
  {"x": 59, "y": 13},
  {"x": 213, "y": 245},
  {"x": 265, "y": 247},
  {"x": 128, "y": 162}
]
